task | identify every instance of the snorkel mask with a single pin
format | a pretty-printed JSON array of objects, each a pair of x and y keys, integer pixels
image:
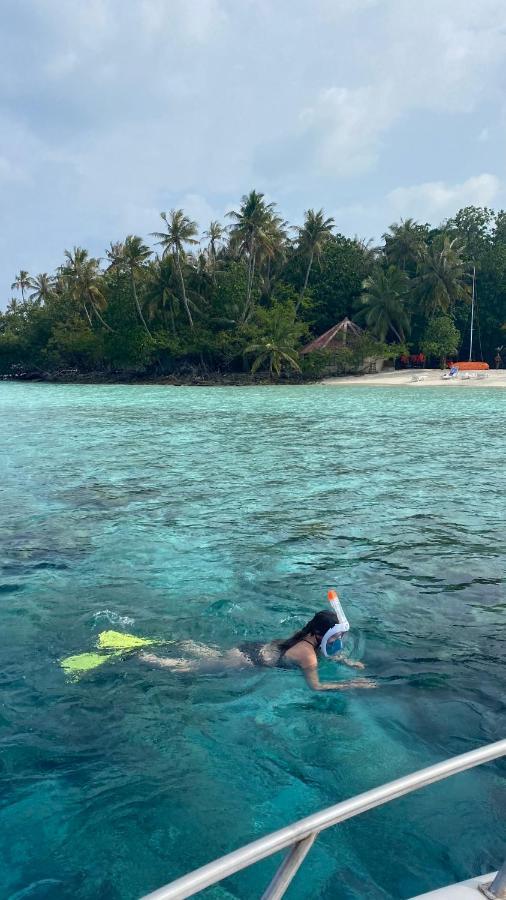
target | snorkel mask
[{"x": 341, "y": 628}]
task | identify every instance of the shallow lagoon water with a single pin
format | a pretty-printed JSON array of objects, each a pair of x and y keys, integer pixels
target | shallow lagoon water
[{"x": 224, "y": 514}]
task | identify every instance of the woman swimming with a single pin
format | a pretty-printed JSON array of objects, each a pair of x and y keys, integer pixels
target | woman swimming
[{"x": 322, "y": 635}]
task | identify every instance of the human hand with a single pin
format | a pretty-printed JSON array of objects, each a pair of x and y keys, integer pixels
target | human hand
[{"x": 364, "y": 683}]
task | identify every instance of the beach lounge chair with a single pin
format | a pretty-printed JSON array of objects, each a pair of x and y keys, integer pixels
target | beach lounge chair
[{"x": 448, "y": 376}]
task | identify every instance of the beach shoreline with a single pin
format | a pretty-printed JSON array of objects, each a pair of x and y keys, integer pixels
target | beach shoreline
[
  {"x": 420, "y": 378},
  {"x": 417, "y": 378}
]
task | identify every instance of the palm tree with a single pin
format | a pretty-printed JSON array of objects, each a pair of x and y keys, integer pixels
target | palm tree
[
  {"x": 214, "y": 234},
  {"x": 312, "y": 237},
  {"x": 249, "y": 233},
  {"x": 442, "y": 279},
  {"x": 180, "y": 231},
  {"x": 21, "y": 282},
  {"x": 404, "y": 242},
  {"x": 160, "y": 293},
  {"x": 115, "y": 256},
  {"x": 42, "y": 287},
  {"x": 276, "y": 345},
  {"x": 134, "y": 254},
  {"x": 14, "y": 306},
  {"x": 82, "y": 276},
  {"x": 381, "y": 305},
  {"x": 272, "y": 247},
  {"x": 371, "y": 252}
]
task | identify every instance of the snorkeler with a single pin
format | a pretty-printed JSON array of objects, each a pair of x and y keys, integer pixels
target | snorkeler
[{"x": 322, "y": 635}]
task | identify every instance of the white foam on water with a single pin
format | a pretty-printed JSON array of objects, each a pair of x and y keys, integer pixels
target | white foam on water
[{"x": 112, "y": 617}]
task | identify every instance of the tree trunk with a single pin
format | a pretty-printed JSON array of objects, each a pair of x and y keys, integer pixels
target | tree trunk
[
  {"x": 99, "y": 317},
  {"x": 246, "y": 303},
  {"x": 250, "y": 308},
  {"x": 87, "y": 315},
  {"x": 249, "y": 288},
  {"x": 185, "y": 298},
  {"x": 303, "y": 291},
  {"x": 137, "y": 304},
  {"x": 172, "y": 320},
  {"x": 268, "y": 277},
  {"x": 249, "y": 305}
]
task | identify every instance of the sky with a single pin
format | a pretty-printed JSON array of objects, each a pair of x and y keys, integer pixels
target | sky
[{"x": 114, "y": 110}]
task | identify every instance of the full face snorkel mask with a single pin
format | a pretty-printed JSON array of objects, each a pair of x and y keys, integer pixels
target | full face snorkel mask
[{"x": 341, "y": 628}]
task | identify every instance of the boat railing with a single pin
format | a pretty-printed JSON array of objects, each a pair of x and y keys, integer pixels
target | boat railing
[{"x": 300, "y": 836}]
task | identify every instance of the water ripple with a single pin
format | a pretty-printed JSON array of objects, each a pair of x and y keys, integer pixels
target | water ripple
[{"x": 221, "y": 515}]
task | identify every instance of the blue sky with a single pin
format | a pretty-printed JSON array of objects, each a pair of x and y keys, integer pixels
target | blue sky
[{"x": 113, "y": 110}]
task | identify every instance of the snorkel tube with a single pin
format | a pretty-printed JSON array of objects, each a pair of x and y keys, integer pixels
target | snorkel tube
[{"x": 341, "y": 628}]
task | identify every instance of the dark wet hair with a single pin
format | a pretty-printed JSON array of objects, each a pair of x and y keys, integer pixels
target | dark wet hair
[{"x": 319, "y": 624}]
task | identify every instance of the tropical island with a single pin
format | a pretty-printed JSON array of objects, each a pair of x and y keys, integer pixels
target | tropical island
[{"x": 251, "y": 299}]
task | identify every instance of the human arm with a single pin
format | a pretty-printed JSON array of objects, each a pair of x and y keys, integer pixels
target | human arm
[
  {"x": 352, "y": 663},
  {"x": 304, "y": 656},
  {"x": 312, "y": 679}
]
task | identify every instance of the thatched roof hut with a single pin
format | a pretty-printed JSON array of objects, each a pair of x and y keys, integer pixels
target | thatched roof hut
[{"x": 335, "y": 338}]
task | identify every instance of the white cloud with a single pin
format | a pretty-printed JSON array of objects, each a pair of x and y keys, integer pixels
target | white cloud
[
  {"x": 437, "y": 56},
  {"x": 350, "y": 124},
  {"x": 62, "y": 64},
  {"x": 435, "y": 200},
  {"x": 87, "y": 25},
  {"x": 120, "y": 109},
  {"x": 133, "y": 218},
  {"x": 335, "y": 9},
  {"x": 9, "y": 171},
  {"x": 196, "y": 19},
  {"x": 443, "y": 54},
  {"x": 197, "y": 208}
]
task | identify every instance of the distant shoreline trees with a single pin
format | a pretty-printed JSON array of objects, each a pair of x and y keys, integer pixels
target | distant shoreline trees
[{"x": 254, "y": 292}]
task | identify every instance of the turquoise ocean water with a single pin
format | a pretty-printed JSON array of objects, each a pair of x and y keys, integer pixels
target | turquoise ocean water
[{"x": 222, "y": 515}]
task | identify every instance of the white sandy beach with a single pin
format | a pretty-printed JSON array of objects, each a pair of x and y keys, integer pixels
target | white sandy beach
[{"x": 420, "y": 378}]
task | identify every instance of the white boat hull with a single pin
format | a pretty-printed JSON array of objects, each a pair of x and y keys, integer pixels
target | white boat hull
[{"x": 465, "y": 890}]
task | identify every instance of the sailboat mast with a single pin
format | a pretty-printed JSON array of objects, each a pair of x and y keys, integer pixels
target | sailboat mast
[{"x": 472, "y": 316}]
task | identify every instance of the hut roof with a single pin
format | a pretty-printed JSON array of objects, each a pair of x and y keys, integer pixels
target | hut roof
[{"x": 335, "y": 337}]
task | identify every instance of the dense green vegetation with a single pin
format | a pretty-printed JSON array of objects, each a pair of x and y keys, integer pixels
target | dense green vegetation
[{"x": 249, "y": 294}]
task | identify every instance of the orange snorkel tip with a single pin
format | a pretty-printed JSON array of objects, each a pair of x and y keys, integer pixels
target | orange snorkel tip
[{"x": 338, "y": 609}]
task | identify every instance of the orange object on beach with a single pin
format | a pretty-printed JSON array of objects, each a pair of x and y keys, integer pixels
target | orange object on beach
[{"x": 472, "y": 366}]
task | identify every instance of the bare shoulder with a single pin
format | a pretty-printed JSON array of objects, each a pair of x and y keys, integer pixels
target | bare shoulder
[{"x": 303, "y": 654}]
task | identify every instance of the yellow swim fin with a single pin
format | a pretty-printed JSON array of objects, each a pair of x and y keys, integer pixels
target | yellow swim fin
[
  {"x": 116, "y": 640},
  {"x": 75, "y": 666}
]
